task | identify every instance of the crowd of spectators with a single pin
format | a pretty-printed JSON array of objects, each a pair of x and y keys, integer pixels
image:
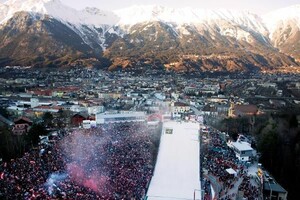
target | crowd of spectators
[
  {"x": 207, "y": 189},
  {"x": 249, "y": 191},
  {"x": 119, "y": 166},
  {"x": 218, "y": 157}
]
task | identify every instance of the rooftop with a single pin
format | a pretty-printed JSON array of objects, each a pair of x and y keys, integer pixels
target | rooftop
[
  {"x": 117, "y": 115},
  {"x": 246, "y": 108},
  {"x": 275, "y": 187},
  {"x": 180, "y": 104},
  {"x": 242, "y": 146}
]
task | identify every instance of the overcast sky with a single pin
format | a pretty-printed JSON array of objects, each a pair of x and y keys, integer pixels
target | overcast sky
[{"x": 257, "y": 6}]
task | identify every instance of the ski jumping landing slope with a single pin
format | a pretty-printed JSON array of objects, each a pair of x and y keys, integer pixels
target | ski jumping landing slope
[{"x": 177, "y": 172}]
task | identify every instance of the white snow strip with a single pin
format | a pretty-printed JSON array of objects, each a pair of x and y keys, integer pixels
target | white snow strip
[
  {"x": 177, "y": 173},
  {"x": 213, "y": 193}
]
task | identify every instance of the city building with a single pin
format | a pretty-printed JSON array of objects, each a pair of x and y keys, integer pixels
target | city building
[
  {"x": 21, "y": 126},
  {"x": 272, "y": 190},
  {"x": 180, "y": 108},
  {"x": 78, "y": 118},
  {"x": 243, "y": 150},
  {"x": 104, "y": 118},
  {"x": 242, "y": 110}
]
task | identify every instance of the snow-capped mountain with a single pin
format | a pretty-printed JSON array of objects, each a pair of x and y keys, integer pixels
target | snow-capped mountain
[
  {"x": 138, "y": 14},
  {"x": 90, "y": 23},
  {"x": 54, "y": 8},
  {"x": 284, "y": 29},
  {"x": 282, "y": 16},
  {"x": 207, "y": 39}
]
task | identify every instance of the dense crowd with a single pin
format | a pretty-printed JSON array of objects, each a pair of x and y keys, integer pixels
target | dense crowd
[
  {"x": 207, "y": 189},
  {"x": 110, "y": 162},
  {"x": 250, "y": 192},
  {"x": 217, "y": 158}
]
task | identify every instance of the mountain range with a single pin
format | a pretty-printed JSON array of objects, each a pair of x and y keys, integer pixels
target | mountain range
[{"x": 47, "y": 33}]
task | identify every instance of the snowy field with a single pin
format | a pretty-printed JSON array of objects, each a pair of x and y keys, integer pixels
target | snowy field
[{"x": 177, "y": 172}]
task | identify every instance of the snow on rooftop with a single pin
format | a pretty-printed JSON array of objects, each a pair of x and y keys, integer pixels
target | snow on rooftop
[
  {"x": 177, "y": 172},
  {"x": 118, "y": 115},
  {"x": 242, "y": 146},
  {"x": 231, "y": 171}
]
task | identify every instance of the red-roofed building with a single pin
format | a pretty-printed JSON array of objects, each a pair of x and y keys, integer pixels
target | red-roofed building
[
  {"x": 78, "y": 118},
  {"x": 22, "y": 120},
  {"x": 40, "y": 92},
  {"x": 243, "y": 110},
  {"x": 21, "y": 126}
]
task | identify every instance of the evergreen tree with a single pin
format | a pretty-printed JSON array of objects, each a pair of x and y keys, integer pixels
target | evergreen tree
[
  {"x": 48, "y": 119},
  {"x": 36, "y": 130}
]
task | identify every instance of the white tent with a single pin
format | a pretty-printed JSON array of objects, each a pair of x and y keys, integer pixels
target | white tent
[{"x": 231, "y": 171}]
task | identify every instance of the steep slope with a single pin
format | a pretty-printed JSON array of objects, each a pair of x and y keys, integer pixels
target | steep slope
[
  {"x": 56, "y": 9},
  {"x": 284, "y": 27},
  {"x": 194, "y": 39},
  {"x": 140, "y": 14},
  {"x": 48, "y": 33},
  {"x": 91, "y": 24},
  {"x": 41, "y": 41}
]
